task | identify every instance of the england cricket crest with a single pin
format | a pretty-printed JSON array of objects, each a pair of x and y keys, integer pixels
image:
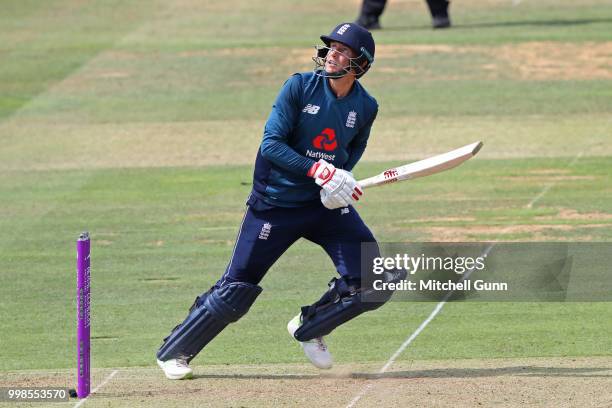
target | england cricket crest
[
  {"x": 265, "y": 231},
  {"x": 351, "y": 119}
]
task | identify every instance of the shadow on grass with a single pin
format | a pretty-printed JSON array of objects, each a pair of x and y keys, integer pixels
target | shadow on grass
[
  {"x": 537, "y": 23},
  {"x": 532, "y": 23},
  {"x": 526, "y": 371}
]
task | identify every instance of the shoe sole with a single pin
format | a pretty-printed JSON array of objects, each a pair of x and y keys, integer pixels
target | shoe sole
[
  {"x": 186, "y": 376},
  {"x": 319, "y": 366},
  {"x": 292, "y": 326}
]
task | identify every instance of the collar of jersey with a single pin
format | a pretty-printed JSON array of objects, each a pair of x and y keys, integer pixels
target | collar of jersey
[{"x": 333, "y": 96}]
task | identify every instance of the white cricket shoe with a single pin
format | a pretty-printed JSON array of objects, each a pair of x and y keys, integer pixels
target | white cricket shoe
[
  {"x": 315, "y": 349},
  {"x": 176, "y": 369}
]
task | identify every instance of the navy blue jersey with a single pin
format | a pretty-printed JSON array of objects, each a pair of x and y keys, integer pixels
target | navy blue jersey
[{"x": 307, "y": 123}]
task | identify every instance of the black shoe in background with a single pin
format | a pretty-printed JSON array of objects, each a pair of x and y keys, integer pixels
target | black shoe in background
[
  {"x": 368, "y": 22},
  {"x": 441, "y": 22}
]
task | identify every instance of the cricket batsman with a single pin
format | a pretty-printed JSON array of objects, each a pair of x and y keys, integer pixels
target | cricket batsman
[{"x": 302, "y": 188}]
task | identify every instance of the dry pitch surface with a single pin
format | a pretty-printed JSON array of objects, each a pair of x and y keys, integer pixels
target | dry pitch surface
[{"x": 554, "y": 382}]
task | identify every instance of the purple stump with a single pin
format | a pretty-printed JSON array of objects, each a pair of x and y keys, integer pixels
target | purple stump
[{"x": 83, "y": 299}]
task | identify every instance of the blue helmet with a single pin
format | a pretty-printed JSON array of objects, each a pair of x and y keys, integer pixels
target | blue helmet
[{"x": 356, "y": 38}]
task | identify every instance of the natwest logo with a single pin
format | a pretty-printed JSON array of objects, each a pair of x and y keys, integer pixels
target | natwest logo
[{"x": 326, "y": 140}]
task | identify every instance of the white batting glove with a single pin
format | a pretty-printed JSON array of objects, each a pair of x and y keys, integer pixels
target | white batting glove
[
  {"x": 323, "y": 172},
  {"x": 336, "y": 182},
  {"x": 331, "y": 202}
]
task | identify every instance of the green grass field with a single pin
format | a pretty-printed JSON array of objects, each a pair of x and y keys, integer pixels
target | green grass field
[{"x": 139, "y": 122}]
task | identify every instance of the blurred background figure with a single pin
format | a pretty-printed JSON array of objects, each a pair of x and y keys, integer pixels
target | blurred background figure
[{"x": 372, "y": 9}]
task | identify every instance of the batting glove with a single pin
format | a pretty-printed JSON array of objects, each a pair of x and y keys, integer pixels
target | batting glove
[
  {"x": 336, "y": 182},
  {"x": 331, "y": 202}
]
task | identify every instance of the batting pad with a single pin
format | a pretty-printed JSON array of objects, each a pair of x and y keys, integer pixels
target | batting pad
[{"x": 208, "y": 317}]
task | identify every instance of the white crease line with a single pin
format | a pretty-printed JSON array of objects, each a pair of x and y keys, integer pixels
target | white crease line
[
  {"x": 102, "y": 384},
  {"x": 441, "y": 304},
  {"x": 418, "y": 331},
  {"x": 578, "y": 156},
  {"x": 551, "y": 185},
  {"x": 540, "y": 195}
]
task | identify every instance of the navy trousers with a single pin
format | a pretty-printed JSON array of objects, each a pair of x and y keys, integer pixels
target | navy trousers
[{"x": 265, "y": 234}]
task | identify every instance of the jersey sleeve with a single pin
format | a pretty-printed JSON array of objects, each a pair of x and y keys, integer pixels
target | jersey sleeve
[
  {"x": 283, "y": 117},
  {"x": 359, "y": 143}
]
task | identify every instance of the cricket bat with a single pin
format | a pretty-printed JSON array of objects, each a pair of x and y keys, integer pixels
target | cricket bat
[{"x": 422, "y": 168}]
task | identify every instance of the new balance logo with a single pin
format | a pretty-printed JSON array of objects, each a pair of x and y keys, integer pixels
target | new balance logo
[
  {"x": 265, "y": 231},
  {"x": 344, "y": 211},
  {"x": 312, "y": 109}
]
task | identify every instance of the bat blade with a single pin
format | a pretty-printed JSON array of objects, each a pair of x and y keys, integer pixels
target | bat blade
[{"x": 425, "y": 167}]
